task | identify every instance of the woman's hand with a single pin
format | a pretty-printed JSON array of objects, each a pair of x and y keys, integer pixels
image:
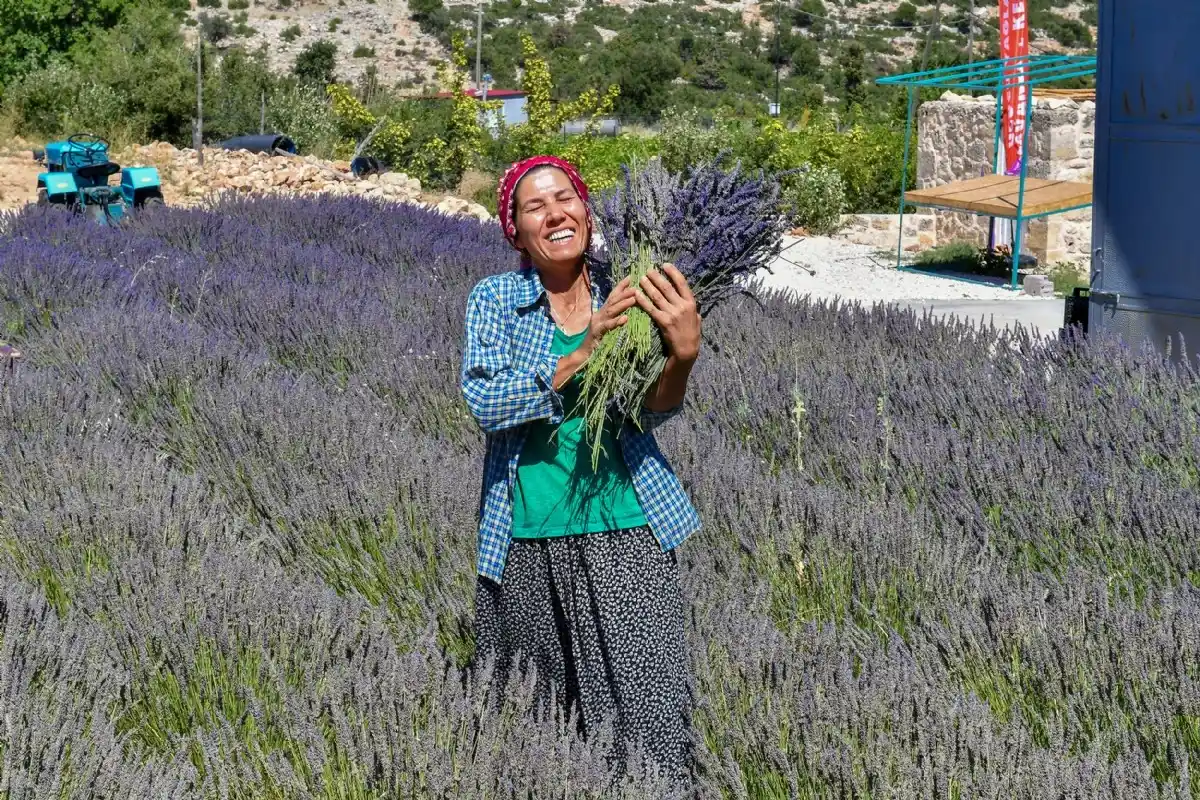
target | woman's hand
[
  {"x": 608, "y": 318},
  {"x": 671, "y": 305}
]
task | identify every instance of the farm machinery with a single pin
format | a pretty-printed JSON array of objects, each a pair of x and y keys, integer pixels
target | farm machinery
[{"x": 77, "y": 177}]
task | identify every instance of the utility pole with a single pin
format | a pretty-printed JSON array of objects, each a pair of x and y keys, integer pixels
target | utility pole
[
  {"x": 933, "y": 30},
  {"x": 478, "y": 47},
  {"x": 777, "y": 109},
  {"x": 198, "y": 129},
  {"x": 971, "y": 34}
]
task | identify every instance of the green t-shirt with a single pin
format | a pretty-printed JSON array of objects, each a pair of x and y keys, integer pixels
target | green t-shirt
[{"x": 556, "y": 491}]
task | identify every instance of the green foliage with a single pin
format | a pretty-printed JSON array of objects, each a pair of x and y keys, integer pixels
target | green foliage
[
  {"x": 317, "y": 63},
  {"x": 815, "y": 198},
  {"x": 685, "y": 141},
  {"x": 355, "y": 123},
  {"x": 144, "y": 60},
  {"x": 303, "y": 112},
  {"x": 33, "y": 32},
  {"x": 215, "y": 28},
  {"x": 290, "y": 33}
]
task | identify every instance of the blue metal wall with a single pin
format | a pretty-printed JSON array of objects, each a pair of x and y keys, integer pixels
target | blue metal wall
[{"x": 1146, "y": 217}]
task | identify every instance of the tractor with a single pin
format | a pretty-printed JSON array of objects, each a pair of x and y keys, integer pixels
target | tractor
[{"x": 77, "y": 173}]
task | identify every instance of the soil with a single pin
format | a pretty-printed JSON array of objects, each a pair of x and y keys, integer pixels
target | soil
[{"x": 18, "y": 179}]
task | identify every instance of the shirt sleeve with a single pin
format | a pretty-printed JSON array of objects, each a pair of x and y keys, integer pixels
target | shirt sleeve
[
  {"x": 649, "y": 420},
  {"x": 499, "y": 396}
]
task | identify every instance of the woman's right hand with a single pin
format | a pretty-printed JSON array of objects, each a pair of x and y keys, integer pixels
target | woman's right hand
[
  {"x": 610, "y": 316},
  {"x": 606, "y": 319}
]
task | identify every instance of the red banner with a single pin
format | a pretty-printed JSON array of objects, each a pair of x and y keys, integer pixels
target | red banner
[{"x": 1014, "y": 43}]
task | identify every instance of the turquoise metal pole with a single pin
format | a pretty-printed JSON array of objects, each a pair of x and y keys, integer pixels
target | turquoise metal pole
[
  {"x": 904, "y": 175},
  {"x": 999, "y": 106},
  {"x": 1021, "y": 191}
]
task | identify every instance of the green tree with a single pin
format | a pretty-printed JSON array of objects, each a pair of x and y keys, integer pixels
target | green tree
[
  {"x": 853, "y": 65},
  {"x": 32, "y": 31},
  {"x": 144, "y": 60},
  {"x": 905, "y": 15},
  {"x": 644, "y": 72},
  {"x": 317, "y": 63},
  {"x": 234, "y": 92}
]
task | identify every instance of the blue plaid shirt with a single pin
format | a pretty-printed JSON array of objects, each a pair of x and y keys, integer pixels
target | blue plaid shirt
[{"x": 507, "y": 380}]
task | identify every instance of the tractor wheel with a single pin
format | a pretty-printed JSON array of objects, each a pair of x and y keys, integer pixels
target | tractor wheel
[
  {"x": 153, "y": 201},
  {"x": 43, "y": 199}
]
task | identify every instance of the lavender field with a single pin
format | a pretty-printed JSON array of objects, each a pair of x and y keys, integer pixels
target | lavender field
[{"x": 237, "y": 514}]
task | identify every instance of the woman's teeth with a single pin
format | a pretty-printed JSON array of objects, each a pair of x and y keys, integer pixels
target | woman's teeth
[{"x": 561, "y": 236}]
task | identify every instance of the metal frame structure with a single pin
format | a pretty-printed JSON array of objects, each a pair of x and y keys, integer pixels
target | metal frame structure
[{"x": 996, "y": 75}]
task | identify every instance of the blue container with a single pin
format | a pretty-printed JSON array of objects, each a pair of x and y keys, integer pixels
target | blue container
[{"x": 1146, "y": 214}]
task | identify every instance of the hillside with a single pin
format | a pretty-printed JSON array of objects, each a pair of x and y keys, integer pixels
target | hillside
[{"x": 697, "y": 44}]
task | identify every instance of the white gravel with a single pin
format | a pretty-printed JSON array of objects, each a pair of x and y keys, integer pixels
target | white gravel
[{"x": 825, "y": 268}]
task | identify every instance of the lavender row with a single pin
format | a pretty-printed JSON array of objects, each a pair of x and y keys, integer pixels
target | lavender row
[{"x": 237, "y": 527}]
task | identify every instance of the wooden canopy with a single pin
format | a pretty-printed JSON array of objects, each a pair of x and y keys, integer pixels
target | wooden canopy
[{"x": 998, "y": 195}]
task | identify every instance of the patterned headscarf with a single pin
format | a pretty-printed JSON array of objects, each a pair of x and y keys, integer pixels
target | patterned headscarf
[{"x": 506, "y": 191}]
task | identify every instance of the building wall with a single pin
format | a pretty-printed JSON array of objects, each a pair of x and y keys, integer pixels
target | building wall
[{"x": 955, "y": 142}]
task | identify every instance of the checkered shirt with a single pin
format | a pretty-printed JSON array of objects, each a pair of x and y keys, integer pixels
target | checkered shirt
[{"x": 507, "y": 380}]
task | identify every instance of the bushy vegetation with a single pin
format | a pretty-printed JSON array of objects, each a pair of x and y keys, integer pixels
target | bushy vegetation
[
  {"x": 236, "y": 547},
  {"x": 685, "y": 83}
]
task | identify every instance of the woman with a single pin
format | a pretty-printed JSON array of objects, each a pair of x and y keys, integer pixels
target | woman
[{"x": 577, "y": 570}]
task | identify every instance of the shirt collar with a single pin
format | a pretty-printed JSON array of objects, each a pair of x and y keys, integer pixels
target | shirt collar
[{"x": 530, "y": 289}]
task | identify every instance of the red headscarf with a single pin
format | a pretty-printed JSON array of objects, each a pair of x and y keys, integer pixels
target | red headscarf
[{"x": 507, "y": 189}]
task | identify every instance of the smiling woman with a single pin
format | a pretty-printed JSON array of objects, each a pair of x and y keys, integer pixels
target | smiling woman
[{"x": 576, "y": 565}]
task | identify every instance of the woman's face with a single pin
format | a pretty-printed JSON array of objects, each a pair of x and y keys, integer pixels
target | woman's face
[{"x": 551, "y": 218}]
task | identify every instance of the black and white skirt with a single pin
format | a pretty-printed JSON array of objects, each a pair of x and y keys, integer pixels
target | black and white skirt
[{"x": 600, "y": 616}]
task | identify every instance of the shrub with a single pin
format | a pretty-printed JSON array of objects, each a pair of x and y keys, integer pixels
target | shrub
[
  {"x": 58, "y": 100},
  {"x": 238, "y": 5},
  {"x": 815, "y": 198},
  {"x": 684, "y": 141},
  {"x": 362, "y": 51},
  {"x": 291, "y": 33},
  {"x": 304, "y": 113}
]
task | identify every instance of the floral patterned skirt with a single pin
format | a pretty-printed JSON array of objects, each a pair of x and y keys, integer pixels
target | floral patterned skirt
[{"x": 600, "y": 617}]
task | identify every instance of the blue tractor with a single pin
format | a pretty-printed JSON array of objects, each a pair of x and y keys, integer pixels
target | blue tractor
[{"x": 77, "y": 173}]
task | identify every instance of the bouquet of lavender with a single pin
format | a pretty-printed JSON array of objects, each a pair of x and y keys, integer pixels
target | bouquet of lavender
[{"x": 715, "y": 226}]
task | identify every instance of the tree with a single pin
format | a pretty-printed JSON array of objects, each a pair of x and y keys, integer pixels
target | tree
[
  {"x": 215, "y": 28},
  {"x": 905, "y": 15},
  {"x": 33, "y": 31},
  {"x": 644, "y": 72},
  {"x": 144, "y": 60},
  {"x": 806, "y": 59},
  {"x": 317, "y": 63},
  {"x": 853, "y": 64},
  {"x": 431, "y": 15}
]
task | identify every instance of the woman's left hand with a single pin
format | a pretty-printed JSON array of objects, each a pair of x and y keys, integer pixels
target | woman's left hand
[{"x": 665, "y": 296}]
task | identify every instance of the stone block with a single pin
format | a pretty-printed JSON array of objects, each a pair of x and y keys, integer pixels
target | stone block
[{"x": 1038, "y": 286}]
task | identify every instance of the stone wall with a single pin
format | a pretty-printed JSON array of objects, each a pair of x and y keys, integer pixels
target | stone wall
[
  {"x": 956, "y": 136},
  {"x": 883, "y": 230}
]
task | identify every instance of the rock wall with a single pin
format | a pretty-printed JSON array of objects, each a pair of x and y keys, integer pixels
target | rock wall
[
  {"x": 883, "y": 230},
  {"x": 956, "y": 136}
]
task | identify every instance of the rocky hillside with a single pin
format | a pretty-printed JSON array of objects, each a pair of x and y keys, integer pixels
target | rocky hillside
[{"x": 382, "y": 33}]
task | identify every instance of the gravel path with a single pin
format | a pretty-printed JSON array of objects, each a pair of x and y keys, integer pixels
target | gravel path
[{"x": 825, "y": 268}]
